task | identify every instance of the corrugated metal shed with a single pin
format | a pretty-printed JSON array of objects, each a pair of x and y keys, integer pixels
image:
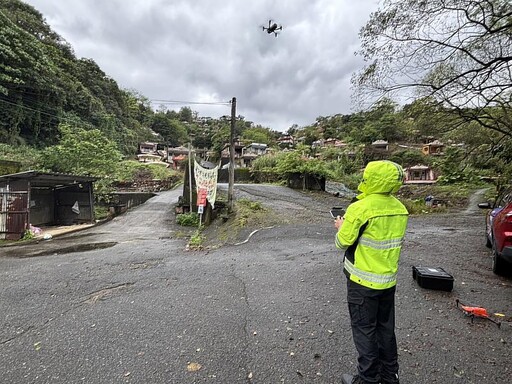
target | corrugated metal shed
[{"x": 42, "y": 198}]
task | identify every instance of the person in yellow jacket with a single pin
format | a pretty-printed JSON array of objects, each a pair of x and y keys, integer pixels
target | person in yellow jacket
[{"x": 371, "y": 234}]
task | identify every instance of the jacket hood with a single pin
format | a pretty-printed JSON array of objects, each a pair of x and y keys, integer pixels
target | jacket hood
[{"x": 382, "y": 176}]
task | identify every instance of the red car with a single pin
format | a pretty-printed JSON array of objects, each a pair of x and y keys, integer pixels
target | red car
[{"x": 499, "y": 232}]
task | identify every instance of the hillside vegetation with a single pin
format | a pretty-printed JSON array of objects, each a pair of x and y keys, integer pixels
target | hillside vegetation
[{"x": 64, "y": 114}]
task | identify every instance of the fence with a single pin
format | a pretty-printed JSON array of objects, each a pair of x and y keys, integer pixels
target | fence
[{"x": 13, "y": 214}]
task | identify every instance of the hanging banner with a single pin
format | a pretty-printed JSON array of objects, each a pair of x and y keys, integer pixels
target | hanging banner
[{"x": 206, "y": 179}]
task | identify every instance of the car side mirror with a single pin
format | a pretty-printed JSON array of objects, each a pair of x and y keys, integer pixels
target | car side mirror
[{"x": 484, "y": 205}]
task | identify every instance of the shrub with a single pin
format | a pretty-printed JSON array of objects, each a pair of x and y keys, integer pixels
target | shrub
[{"x": 188, "y": 219}]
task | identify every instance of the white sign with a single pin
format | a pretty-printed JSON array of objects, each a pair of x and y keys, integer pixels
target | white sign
[{"x": 207, "y": 179}]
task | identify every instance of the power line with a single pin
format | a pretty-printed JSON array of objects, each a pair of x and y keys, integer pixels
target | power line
[
  {"x": 62, "y": 118},
  {"x": 28, "y": 108},
  {"x": 79, "y": 122},
  {"x": 192, "y": 102}
]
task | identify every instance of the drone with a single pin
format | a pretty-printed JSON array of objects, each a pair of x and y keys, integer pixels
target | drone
[{"x": 272, "y": 28}]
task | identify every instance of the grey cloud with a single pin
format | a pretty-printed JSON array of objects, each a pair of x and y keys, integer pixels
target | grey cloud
[{"x": 210, "y": 50}]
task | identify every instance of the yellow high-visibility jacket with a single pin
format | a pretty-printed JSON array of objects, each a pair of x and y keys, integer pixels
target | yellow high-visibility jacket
[{"x": 374, "y": 228}]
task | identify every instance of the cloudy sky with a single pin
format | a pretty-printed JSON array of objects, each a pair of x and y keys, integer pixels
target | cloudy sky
[{"x": 207, "y": 51}]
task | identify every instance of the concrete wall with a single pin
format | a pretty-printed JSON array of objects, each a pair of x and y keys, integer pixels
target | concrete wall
[{"x": 122, "y": 201}]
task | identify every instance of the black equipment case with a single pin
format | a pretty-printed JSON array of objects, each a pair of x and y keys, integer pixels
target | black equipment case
[{"x": 433, "y": 278}]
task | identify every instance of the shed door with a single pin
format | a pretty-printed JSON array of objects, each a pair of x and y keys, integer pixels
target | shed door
[{"x": 13, "y": 214}]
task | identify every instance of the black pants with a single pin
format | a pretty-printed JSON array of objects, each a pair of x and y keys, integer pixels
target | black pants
[{"x": 372, "y": 316}]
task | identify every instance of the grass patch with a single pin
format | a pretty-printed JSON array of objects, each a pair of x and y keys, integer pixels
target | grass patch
[
  {"x": 246, "y": 214},
  {"x": 246, "y": 210},
  {"x": 451, "y": 196},
  {"x": 418, "y": 207}
]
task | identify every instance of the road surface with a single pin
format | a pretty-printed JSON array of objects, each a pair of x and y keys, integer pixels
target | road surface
[{"x": 125, "y": 302}]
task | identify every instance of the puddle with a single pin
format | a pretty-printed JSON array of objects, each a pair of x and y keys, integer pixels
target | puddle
[{"x": 73, "y": 249}]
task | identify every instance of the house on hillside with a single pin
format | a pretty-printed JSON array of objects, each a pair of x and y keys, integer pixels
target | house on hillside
[
  {"x": 148, "y": 147},
  {"x": 286, "y": 141},
  {"x": 177, "y": 155},
  {"x": 435, "y": 148},
  {"x": 225, "y": 156},
  {"x": 378, "y": 150},
  {"x": 251, "y": 152},
  {"x": 420, "y": 174},
  {"x": 149, "y": 153},
  {"x": 331, "y": 142},
  {"x": 154, "y": 159},
  {"x": 380, "y": 145}
]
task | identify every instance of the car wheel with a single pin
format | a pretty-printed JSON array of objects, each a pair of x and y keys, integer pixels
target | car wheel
[{"x": 498, "y": 266}]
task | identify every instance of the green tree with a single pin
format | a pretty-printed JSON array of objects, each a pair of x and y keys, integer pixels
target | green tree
[
  {"x": 82, "y": 152},
  {"x": 296, "y": 162},
  {"x": 257, "y": 135},
  {"x": 173, "y": 132},
  {"x": 27, "y": 81},
  {"x": 457, "y": 52},
  {"x": 43, "y": 84},
  {"x": 409, "y": 158},
  {"x": 453, "y": 168},
  {"x": 186, "y": 114}
]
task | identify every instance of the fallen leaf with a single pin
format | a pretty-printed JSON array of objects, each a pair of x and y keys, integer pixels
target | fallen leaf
[{"x": 193, "y": 367}]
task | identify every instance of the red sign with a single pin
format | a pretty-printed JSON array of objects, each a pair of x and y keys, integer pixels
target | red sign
[{"x": 201, "y": 197}]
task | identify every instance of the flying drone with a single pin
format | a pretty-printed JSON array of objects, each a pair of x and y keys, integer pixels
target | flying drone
[{"x": 272, "y": 28}]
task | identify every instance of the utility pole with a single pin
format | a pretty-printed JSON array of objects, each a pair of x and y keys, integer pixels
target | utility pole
[
  {"x": 232, "y": 155},
  {"x": 190, "y": 174}
]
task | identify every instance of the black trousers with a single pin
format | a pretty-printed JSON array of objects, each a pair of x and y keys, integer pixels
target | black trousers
[{"x": 372, "y": 316}]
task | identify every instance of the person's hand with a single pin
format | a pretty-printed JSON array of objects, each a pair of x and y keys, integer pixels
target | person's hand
[{"x": 338, "y": 221}]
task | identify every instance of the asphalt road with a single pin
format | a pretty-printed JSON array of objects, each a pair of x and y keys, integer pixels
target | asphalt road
[{"x": 125, "y": 302}]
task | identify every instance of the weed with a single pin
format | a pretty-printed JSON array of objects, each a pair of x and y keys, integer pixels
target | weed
[
  {"x": 28, "y": 235},
  {"x": 246, "y": 204},
  {"x": 188, "y": 219},
  {"x": 246, "y": 209},
  {"x": 196, "y": 240},
  {"x": 101, "y": 212}
]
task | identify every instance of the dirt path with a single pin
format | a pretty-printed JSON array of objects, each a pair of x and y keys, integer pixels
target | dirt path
[{"x": 475, "y": 198}]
